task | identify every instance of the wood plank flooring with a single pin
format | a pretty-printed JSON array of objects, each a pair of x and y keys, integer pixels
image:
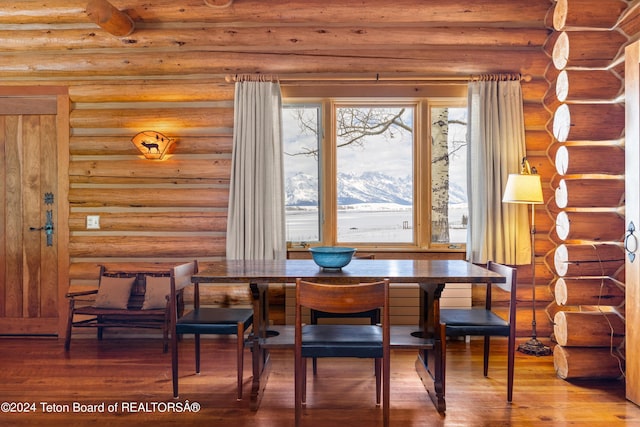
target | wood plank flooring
[{"x": 132, "y": 378}]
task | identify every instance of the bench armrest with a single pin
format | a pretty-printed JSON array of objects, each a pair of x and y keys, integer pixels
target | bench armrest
[{"x": 81, "y": 293}]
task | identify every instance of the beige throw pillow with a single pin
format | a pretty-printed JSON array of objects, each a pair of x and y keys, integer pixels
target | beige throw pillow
[
  {"x": 114, "y": 292},
  {"x": 156, "y": 293}
]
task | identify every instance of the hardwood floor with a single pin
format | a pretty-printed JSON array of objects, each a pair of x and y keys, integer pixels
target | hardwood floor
[{"x": 135, "y": 376}]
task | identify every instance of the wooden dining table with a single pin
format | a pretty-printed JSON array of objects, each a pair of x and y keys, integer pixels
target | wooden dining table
[{"x": 428, "y": 337}]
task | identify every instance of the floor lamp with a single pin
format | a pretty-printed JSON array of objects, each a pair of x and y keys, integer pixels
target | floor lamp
[{"x": 526, "y": 188}]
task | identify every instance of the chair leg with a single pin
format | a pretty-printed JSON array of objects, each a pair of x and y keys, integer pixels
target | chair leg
[
  {"x": 197, "y": 349},
  {"x": 386, "y": 381},
  {"x": 100, "y": 328},
  {"x": 378, "y": 364},
  {"x": 486, "y": 355},
  {"x": 67, "y": 338},
  {"x": 165, "y": 338},
  {"x": 174, "y": 362},
  {"x": 298, "y": 389},
  {"x": 240, "y": 358},
  {"x": 304, "y": 381},
  {"x": 314, "y": 321},
  {"x": 510, "y": 368}
]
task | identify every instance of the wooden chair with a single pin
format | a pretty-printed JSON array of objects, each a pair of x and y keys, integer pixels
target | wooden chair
[
  {"x": 366, "y": 341},
  {"x": 372, "y": 315},
  {"x": 485, "y": 322},
  {"x": 204, "y": 320}
]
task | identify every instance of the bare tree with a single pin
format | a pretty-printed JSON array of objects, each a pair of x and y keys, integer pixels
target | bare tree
[
  {"x": 440, "y": 175},
  {"x": 354, "y": 124}
]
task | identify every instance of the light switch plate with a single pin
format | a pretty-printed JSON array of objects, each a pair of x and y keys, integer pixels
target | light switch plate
[{"x": 93, "y": 222}]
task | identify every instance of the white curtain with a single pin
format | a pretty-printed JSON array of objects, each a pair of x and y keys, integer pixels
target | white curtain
[
  {"x": 255, "y": 225},
  {"x": 497, "y": 231}
]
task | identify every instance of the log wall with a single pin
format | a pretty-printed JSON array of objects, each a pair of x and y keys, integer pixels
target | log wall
[
  {"x": 168, "y": 74},
  {"x": 588, "y": 206}
]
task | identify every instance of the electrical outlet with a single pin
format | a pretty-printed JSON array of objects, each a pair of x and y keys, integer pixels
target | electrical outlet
[{"x": 93, "y": 222}]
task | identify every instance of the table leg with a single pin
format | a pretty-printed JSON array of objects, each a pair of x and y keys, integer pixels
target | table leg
[
  {"x": 259, "y": 355},
  {"x": 431, "y": 364}
]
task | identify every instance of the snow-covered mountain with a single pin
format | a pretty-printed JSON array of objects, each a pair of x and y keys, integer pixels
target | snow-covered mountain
[{"x": 369, "y": 187}]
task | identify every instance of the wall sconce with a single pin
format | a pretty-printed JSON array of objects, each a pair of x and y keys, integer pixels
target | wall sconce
[{"x": 152, "y": 144}]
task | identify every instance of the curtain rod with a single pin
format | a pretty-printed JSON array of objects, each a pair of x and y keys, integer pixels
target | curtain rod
[{"x": 231, "y": 78}]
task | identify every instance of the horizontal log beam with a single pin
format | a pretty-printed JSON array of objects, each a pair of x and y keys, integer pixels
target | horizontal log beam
[
  {"x": 463, "y": 62},
  {"x": 590, "y": 193},
  {"x": 588, "y": 329},
  {"x": 218, "y": 3},
  {"x": 590, "y": 226},
  {"x": 535, "y": 116},
  {"x": 537, "y": 140},
  {"x": 149, "y": 197},
  {"x": 499, "y": 12},
  {"x": 586, "y": 363},
  {"x": 195, "y": 90},
  {"x": 276, "y": 38},
  {"x": 145, "y": 246},
  {"x": 603, "y": 291},
  {"x": 588, "y": 159},
  {"x": 524, "y": 318},
  {"x": 575, "y": 86},
  {"x": 218, "y": 169},
  {"x": 583, "y": 260},
  {"x": 152, "y": 118},
  {"x": 591, "y": 49},
  {"x": 184, "y": 221},
  {"x": 581, "y": 14},
  {"x": 589, "y": 122}
]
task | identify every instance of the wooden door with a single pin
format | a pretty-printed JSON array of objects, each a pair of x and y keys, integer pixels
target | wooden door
[
  {"x": 31, "y": 126},
  {"x": 632, "y": 216}
]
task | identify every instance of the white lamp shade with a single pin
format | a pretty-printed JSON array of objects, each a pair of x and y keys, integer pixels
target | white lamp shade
[{"x": 522, "y": 188}]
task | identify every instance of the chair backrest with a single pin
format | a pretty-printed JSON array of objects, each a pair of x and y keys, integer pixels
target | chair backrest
[
  {"x": 181, "y": 274},
  {"x": 347, "y": 298},
  {"x": 180, "y": 278},
  {"x": 510, "y": 285}
]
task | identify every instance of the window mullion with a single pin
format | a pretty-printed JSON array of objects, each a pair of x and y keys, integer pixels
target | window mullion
[
  {"x": 329, "y": 184},
  {"x": 423, "y": 176}
]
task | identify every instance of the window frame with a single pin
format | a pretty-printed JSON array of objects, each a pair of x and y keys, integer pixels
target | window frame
[{"x": 327, "y": 98}]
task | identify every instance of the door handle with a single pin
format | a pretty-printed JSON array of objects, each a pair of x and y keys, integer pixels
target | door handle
[
  {"x": 631, "y": 242},
  {"x": 48, "y": 225}
]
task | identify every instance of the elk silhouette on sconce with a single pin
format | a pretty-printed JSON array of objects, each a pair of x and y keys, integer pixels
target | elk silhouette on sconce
[{"x": 152, "y": 144}]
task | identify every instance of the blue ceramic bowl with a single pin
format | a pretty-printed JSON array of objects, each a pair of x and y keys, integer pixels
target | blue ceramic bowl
[{"x": 332, "y": 256}]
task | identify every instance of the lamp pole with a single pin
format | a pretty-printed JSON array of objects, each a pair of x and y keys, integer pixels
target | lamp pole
[
  {"x": 534, "y": 346},
  {"x": 522, "y": 188}
]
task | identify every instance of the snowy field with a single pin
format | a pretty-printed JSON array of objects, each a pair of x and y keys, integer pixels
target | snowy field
[{"x": 369, "y": 223}]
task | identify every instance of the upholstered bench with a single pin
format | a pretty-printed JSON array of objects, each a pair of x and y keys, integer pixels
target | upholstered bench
[{"x": 123, "y": 300}]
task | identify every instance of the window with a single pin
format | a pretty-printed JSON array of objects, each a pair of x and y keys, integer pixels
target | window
[
  {"x": 302, "y": 133},
  {"x": 376, "y": 172}
]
